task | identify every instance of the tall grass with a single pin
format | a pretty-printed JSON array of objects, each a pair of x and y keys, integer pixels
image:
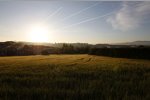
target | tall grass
[{"x": 73, "y": 77}]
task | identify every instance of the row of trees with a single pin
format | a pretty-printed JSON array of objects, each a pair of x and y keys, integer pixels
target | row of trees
[
  {"x": 67, "y": 49},
  {"x": 138, "y": 52},
  {"x": 19, "y": 49}
]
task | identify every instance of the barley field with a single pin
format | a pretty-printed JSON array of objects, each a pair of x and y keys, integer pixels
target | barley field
[{"x": 73, "y": 77}]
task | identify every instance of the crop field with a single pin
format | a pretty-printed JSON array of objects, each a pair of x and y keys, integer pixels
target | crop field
[{"x": 73, "y": 77}]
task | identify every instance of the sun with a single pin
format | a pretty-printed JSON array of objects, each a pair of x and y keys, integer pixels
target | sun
[{"x": 39, "y": 34}]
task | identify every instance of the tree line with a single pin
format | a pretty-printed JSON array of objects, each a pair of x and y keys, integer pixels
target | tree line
[
  {"x": 11, "y": 48},
  {"x": 137, "y": 52}
]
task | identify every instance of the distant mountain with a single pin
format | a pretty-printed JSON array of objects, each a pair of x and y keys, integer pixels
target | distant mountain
[{"x": 146, "y": 43}]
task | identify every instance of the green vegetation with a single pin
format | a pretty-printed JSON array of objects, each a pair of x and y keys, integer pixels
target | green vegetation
[{"x": 73, "y": 77}]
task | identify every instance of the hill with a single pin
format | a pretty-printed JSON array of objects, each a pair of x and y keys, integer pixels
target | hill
[{"x": 146, "y": 43}]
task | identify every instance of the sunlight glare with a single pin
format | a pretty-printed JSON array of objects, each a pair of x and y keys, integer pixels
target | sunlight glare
[{"x": 39, "y": 34}]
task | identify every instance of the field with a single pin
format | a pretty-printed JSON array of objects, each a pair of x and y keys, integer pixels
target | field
[{"x": 73, "y": 77}]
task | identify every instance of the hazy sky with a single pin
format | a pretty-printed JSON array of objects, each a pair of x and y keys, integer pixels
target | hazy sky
[{"x": 76, "y": 21}]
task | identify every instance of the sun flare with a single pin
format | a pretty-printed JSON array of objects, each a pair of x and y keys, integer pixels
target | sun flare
[{"x": 39, "y": 34}]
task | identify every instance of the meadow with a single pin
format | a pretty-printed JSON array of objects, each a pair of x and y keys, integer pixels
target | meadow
[{"x": 73, "y": 77}]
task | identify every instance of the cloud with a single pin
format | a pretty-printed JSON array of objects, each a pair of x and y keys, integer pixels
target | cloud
[{"x": 130, "y": 16}]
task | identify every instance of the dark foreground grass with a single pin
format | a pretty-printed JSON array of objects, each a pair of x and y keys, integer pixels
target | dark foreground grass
[{"x": 73, "y": 77}]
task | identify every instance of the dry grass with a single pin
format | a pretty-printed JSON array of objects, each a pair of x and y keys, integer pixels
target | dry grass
[{"x": 73, "y": 77}]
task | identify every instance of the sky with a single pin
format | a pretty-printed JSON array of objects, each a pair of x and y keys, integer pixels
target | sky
[{"x": 75, "y": 21}]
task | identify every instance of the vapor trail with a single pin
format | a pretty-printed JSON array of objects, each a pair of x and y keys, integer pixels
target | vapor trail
[
  {"x": 54, "y": 13},
  {"x": 88, "y": 20},
  {"x": 76, "y": 13}
]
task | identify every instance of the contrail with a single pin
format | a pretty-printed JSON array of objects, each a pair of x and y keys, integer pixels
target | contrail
[
  {"x": 76, "y": 13},
  {"x": 91, "y": 19},
  {"x": 54, "y": 13}
]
